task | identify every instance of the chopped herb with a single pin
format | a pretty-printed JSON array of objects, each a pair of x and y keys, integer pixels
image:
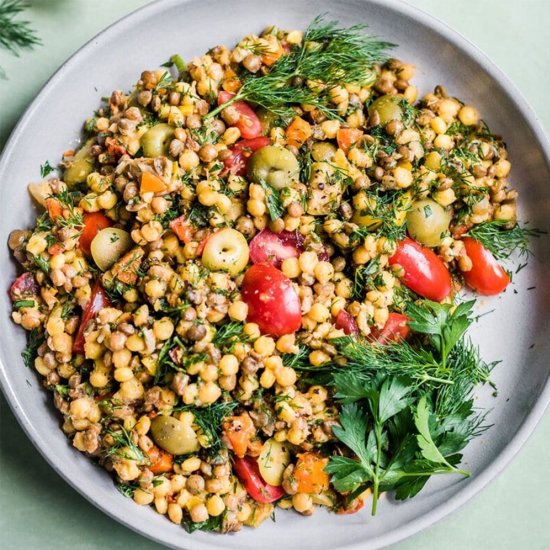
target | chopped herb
[
  {"x": 18, "y": 304},
  {"x": 273, "y": 201},
  {"x": 127, "y": 489},
  {"x": 213, "y": 523},
  {"x": 502, "y": 241},
  {"x": 34, "y": 341},
  {"x": 46, "y": 169},
  {"x": 229, "y": 334},
  {"x": 41, "y": 263}
]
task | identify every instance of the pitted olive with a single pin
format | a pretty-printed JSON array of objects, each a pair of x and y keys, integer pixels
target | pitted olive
[
  {"x": 156, "y": 141},
  {"x": 173, "y": 435},
  {"x": 274, "y": 165}
]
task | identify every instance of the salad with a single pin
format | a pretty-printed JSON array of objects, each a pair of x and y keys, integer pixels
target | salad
[{"x": 243, "y": 290}]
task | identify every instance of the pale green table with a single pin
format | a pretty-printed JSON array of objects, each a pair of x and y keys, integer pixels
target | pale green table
[{"x": 39, "y": 511}]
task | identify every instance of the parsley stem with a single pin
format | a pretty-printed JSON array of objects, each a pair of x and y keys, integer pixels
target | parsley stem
[{"x": 376, "y": 480}]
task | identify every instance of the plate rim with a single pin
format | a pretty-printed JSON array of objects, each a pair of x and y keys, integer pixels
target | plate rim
[{"x": 526, "y": 428}]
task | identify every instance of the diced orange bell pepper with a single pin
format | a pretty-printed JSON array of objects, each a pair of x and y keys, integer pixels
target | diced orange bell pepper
[
  {"x": 298, "y": 132},
  {"x": 231, "y": 82},
  {"x": 161, "y": 461},
  {"x": 183, "y": 229},
  {"x": 346, "y": 137},
  {"x": 239, "y": 430},
  {"x": 54, "y": 208},
  {"x": 270, "y": 57},
  {"x": 151, "y": 183},
  {"x": 310, "y": 474}
]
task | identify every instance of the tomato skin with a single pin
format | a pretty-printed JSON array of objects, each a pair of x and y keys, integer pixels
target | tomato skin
[
  {"x": 395, "y": 329},
  {"x": 248, "y": 472},
  {"x": 93, "y": 223},
  {"x": 273, "y": 304},
  {"x": 425, "y": 273},
  {"x": 347, "y": 323},
  {"x": 161, "y": 461},
  {"x": 273, "y": 248},
  {"x": 359, "y": 503},
  {"x": 25, "y": 284},
  {"x": 487, "y": 276},
  {"x": 249, "y": 124},
  {"x": 98, "y": 301},
  {"x": 240, "y": 153}
]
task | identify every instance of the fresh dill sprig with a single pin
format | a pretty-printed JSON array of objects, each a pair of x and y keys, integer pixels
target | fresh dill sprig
[
  {"x": 229, "y": 334},
  {"x": 124, "y": 446},
  {"x": 15, "y": 35},
  {"x": 296, "y": 360},
  {"x": 502, "y": 241},
  {"x": 34, "y": 341},
  {"x": 328, "y": 55},
  {"x": 209, "y": 419}
]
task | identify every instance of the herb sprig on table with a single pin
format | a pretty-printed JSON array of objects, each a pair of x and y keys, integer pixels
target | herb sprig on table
[
  {"x": 407, "y": 410},
  {"x": 15, "y": 35}
]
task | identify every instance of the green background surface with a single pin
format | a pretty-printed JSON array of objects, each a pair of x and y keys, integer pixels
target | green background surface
[{"x": 39, "y": 510}]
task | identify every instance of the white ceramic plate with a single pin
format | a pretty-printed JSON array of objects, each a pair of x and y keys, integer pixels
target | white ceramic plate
[{"x": 145, "y": 39}]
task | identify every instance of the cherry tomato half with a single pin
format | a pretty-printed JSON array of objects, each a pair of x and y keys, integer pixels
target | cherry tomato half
[
  {"x": 249, "y": 124},
  {"x": 487, "y": 276},
  {"x": 346, "y": 322},
  {"x": 395, "y": 329},
  {"x": 240, "y": 153},
  {"x": 425, "y": 273},
  {"x": 24, "y": 285},
  {"x": 273, "y": 304},
  {"x": 248, "y": 472},
  {"x": 93, "y": 223},
  {"x": 274, "y": 248},
  {"x": 98, "y": 300}
]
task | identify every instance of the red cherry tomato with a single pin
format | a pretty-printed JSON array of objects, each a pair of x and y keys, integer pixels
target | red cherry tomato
[
  {"x": 24, "y": 285},
  {"x": 272, "y": 301},
  {"x": 98, "y": 300},
  {"x": 425, "y": 273},
  {"x": 249, "y": 124},
  {"x": 487, "y": 276},
  {"x": 240, "y": 153},
  {"x": 93, "y": 223},
  {"x": 273, "y": 248},
  {"x": 395, "y": 329},
  {"x": 248, "y": 472},
  {"x": 346, "y": 322}
]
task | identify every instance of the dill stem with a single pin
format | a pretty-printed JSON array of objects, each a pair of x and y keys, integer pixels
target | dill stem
[{"x": 237, "y": 97}]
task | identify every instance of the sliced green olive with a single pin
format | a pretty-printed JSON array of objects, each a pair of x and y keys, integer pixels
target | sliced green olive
[
  {"x": 274, "y": 165},
  {"x": 323, "y": 151},
  {"x": 108, "y": 246},
  {"x": 387, "y": 107},
  {"x": 80, "y": 166},
  {"x": 427, "y": 222},
  {"x": 274, "y": 458},
  {"x": 268, "y": 120},
  {"x": 174, "y": 436},
  {"x": 156, "y": 141},
  {"x": 226, "y": 250}
]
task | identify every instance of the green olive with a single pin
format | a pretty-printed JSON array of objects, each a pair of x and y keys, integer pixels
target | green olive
[
  {"x": 323, "y": 151},
  {"x": 267, "y": 119},
  {"x": 387, "y": 107},
  {"x": 274, "y": 165},
  {"x": 108, "y": 246},
  {"x": 226, "y": 250},
  {"x": 156, "y": 141},
  {"x": 174, "y": 436},
  {"x": 80, "y": 166},
  {"x": 427, "y": 222}
]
